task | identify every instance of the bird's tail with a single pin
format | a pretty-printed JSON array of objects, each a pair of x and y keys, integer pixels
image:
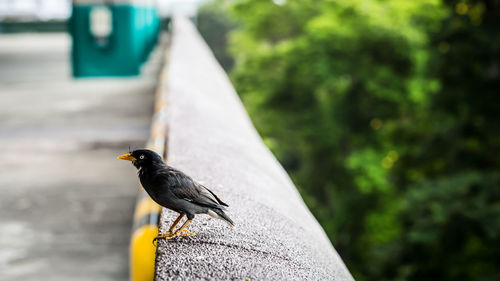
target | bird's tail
[{"x": 219, "y": 214}]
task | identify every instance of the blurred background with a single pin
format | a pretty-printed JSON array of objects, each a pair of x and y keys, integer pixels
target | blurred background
[{"x": 385, "y": 113}]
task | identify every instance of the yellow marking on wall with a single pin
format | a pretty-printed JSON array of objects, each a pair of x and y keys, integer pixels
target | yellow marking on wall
[
  {"x": 143, "y": 253},
  {"x": 158, "y": 130},
  {"x": 142, "y": 250},
  {"x": 144, "y": 207}
]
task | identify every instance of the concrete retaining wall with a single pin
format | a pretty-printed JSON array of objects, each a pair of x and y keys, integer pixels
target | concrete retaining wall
[{"x": 212, "y": 139}]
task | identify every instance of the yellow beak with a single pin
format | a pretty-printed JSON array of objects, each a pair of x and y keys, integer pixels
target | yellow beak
[{"x": 127, "y": 156}]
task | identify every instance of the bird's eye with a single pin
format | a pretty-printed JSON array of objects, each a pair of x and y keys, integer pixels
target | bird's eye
[{"x": 141, "y": 157}]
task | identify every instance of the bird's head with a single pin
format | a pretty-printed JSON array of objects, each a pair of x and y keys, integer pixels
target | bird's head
[{"x": 142, "y": 158}]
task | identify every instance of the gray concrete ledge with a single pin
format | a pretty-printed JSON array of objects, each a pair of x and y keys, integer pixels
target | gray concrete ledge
[{"x": 212, "y": 139}]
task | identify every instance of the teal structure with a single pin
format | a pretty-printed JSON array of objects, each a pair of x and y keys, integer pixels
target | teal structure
[{"x": 133, "y": 34}]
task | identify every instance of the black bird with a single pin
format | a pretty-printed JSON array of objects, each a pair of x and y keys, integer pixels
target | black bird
[{"x": 175, "y": 190}]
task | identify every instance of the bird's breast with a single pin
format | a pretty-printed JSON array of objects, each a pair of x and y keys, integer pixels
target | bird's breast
[{"x": 158, "y": 189}]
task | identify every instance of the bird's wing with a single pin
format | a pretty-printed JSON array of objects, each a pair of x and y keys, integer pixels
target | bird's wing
[
  {"x": 184, "y": 187},
  {"x": 215, "y": 196}
]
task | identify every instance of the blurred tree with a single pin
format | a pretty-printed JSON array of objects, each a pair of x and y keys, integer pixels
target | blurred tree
[
  {"x": 385, "y": 115},
  {"x": 452, "y": 173},
  {"x": 214, "y": 23}
]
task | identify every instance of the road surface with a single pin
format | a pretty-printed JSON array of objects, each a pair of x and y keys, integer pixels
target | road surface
[{"x": 66, "y": 202}]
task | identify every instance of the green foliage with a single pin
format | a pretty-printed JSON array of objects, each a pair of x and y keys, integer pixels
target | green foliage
[
  {"x": 452, "y": 227},
  {"x": 385, "y": 114},
  {"x": 214, "y": 23}
]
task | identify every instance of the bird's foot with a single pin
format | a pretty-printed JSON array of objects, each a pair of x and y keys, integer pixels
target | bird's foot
[
  {"x": 185, "y": 233},
  {"x": 167, "y": 236}
]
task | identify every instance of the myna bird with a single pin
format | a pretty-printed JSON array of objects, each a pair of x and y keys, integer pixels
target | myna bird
[{"x": 175, "y": 190}]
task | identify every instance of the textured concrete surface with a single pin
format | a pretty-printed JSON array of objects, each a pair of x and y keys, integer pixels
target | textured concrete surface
[
  {"x": 212, "y": 139},
  {"x": 66, "y": 202}
]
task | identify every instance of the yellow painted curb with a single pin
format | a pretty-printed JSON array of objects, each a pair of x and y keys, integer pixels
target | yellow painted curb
[
  {"x": 147, "y": 212},
  {"x": 143, "y": 253}
]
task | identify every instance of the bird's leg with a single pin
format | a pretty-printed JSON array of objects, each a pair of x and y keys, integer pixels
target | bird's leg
[
  {"x": 174, "y": 224},
  {"x": 169, "y": 234},
  {"x": 182, "y": 231}
]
